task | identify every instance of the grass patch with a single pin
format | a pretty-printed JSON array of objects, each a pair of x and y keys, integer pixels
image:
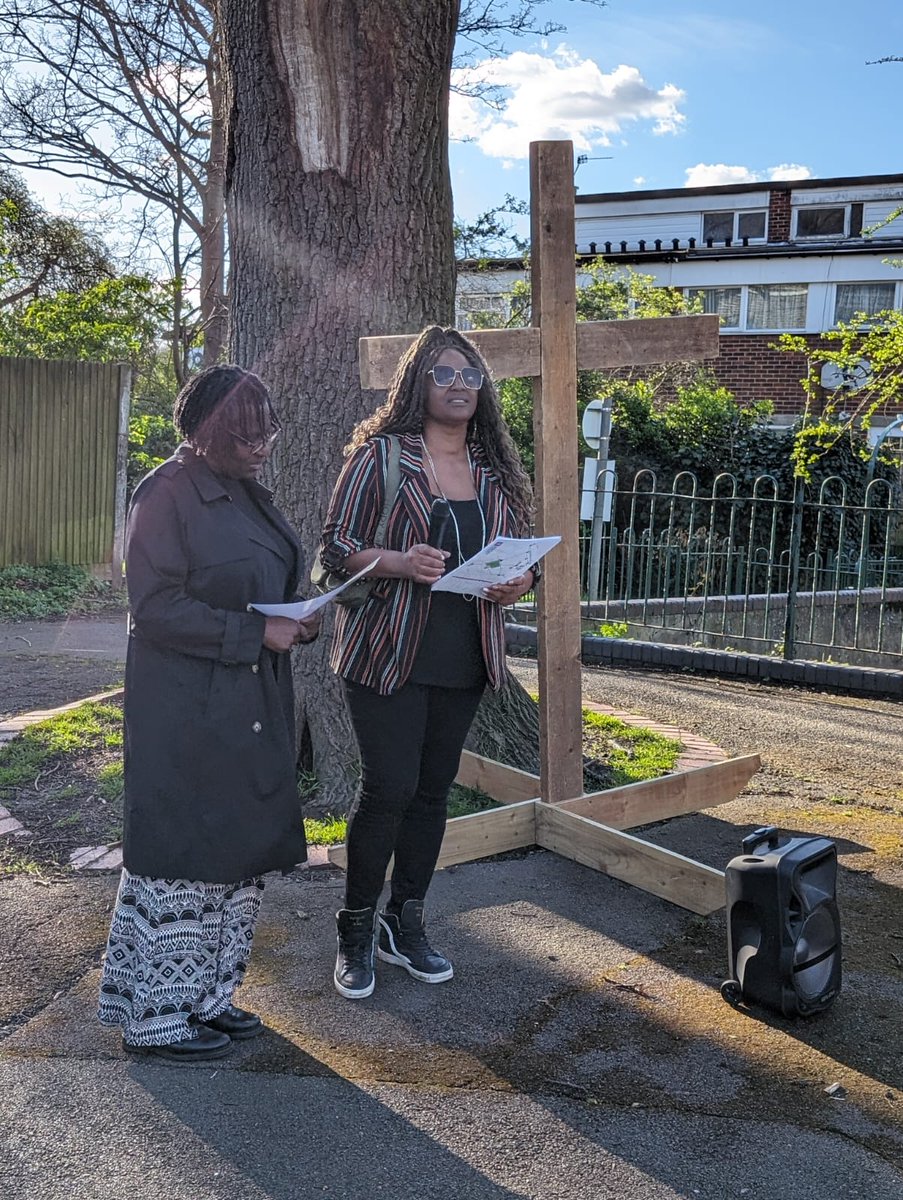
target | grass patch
[
  {"x": 63, "y": 780},
  {"x": 464, "y": 800},
  {"x": 325, "y": 831},
  {"x": 631, "y": 754},
  {"x": 86, "y": 729},
  {"x": 53, "y": 590},
  {"x": 16, "y": 862},
  {"x": 110, "y": 783}
]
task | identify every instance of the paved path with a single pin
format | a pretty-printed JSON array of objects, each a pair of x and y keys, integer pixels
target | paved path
[
  {"x": 76, "y": 637},
  {"x": 581, "y": 1051}
]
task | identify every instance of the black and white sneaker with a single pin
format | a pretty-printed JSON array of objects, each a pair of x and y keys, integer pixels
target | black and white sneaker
[
  {"x": 403, "y": 941},
  {"x": 354, "y": 978}
]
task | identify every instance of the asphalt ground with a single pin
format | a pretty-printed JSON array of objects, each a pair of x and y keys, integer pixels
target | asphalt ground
[{"x": 582, "y": 1050}]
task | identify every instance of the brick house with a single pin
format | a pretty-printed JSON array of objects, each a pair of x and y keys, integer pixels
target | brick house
[{"x": 795, "y": 255}]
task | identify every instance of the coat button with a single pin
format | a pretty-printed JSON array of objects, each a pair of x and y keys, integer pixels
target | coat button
[
  {"x": 255, "y": 668},
  {"x": 256, "y": 727}
]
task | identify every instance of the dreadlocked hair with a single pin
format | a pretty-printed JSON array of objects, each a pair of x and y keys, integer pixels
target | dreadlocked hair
[
  {"x": 487, "y": 432},
  {"x": 224, "y": 392}
]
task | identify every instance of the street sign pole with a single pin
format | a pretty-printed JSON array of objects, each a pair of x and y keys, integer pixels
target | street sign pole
[{"x": 597, "y": 434}]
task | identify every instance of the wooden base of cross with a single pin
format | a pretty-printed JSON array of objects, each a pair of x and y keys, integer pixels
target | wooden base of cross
[
  {"x": 551, "y": 810},
  {"x": 590, "y": 829}
]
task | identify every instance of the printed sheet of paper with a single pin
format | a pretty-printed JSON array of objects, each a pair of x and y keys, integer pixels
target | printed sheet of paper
[
  {"x": 503, "y": 559},
  {"x": 299, "y": 609}
]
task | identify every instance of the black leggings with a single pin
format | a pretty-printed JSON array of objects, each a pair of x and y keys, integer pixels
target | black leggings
[{"x": 410, "y": 745}]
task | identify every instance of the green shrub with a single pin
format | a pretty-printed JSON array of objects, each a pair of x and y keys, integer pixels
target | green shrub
[{"x": 50, "y": 590}]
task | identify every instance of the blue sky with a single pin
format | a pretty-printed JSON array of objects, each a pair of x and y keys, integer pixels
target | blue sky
[
  {"x": 662, "y": 93},
  {"x": 691, "y": 91}
]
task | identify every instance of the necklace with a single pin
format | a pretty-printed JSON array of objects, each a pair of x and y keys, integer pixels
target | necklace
[{"x": 429, "y": 459}]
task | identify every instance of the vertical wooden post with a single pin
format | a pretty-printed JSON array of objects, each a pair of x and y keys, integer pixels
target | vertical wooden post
[{"x": 555, "y": 438}]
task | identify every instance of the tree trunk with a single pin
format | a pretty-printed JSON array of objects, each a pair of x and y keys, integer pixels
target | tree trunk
[
  {"x": 339, "y": 204},
  {"x": 507, "y": 727},
  {"x": 214, "y": 306}
]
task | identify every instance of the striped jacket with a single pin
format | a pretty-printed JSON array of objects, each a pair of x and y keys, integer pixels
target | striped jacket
[{"x": 376, "y": 644}]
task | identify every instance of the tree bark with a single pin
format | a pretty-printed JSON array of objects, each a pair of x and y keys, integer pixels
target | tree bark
[
  {"x": 340, "y": 214},
  {"x": 214, "y": 304}
]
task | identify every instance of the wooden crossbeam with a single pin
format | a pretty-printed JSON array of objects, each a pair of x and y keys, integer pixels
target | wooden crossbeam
[
  {"x": 515, "y": 353},
  {"x": 668, "y": 796},
  {"x": 501, "y": 782},
  {"x": 495, "y": 831},
  {"x": 478, "y": 835},
  {"x": 590, "y": 829},
  {"x": 671, "y": 876}
]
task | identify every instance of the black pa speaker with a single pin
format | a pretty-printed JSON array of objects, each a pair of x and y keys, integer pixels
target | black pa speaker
[{"x": 783, "y": 927}]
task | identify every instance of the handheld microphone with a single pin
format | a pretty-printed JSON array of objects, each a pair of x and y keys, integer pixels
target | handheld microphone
[{"x": 439, "y": 518}]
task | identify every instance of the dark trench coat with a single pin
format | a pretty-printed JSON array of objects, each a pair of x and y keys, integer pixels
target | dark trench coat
[{"x": 210, "y": 791}]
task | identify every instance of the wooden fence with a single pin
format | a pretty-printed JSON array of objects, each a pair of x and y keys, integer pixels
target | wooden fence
[{"x": 63, "y": 448}]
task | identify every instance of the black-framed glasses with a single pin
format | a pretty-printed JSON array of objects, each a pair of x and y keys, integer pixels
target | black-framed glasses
[
  {"x": 257, "y": 447},
  {"x": 444, "y": 377}
]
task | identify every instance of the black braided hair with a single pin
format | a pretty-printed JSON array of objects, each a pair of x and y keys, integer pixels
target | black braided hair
[
  {"x": 402, "y": 412},
  {"x": 224, "y": 391}
]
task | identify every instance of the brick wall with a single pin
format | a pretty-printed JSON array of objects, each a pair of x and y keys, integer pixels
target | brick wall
[
  {"x": 752, "y": 370},
  {"x": 779, "y": 215}
]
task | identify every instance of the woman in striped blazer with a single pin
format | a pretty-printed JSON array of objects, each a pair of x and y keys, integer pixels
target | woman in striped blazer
[{"x": 415, "y": 663}]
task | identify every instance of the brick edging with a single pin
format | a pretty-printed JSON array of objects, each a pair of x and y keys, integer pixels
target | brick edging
[{"x": 697, "y": 752}]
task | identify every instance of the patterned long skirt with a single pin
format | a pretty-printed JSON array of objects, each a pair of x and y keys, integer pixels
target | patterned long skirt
[{"x": 176, "y": 952}]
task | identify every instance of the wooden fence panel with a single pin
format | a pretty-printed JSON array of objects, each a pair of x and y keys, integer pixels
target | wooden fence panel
[{"x": 62, "y": 467}]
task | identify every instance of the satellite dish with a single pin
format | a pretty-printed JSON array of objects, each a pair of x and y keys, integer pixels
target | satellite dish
[
  {"x": 852, "y": 378},
  {"x": 859, "y": 376},
  {"x": 832, "y": 376}
]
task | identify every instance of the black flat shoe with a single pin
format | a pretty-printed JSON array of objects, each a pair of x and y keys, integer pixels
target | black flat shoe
[
  {"x": 237, "y": 1023},
  {"x": 207, "y": 1045}
]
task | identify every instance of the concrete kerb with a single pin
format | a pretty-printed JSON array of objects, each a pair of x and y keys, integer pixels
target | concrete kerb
[
  {"x": 873, "y": 682},
  {"x": 697, "y": 753}
]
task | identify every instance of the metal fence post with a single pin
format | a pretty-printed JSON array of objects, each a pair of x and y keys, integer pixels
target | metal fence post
[{"x": 793, "y": 570}]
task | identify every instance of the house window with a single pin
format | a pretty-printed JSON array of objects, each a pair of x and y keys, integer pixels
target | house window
[
  {"x": 776, "y": 306},
  {"x": 732, "y": 226},
  {"x": 491, "y": 304},
  {"x": 723, "y": 301},
  {"x": 867, "y": 298},
  {"x": 719, "y": 226},
  {"x": 751, "y": 225},
  {"x": 817, "y": 222}
]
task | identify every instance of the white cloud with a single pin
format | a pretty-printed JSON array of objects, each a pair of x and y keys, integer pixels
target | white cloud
[
  {"x": 713, "y": 174},
  {"x": 639, "y": 180},
  {"x": 558, "y": 96},
  {"x": 789, "y": 171}
]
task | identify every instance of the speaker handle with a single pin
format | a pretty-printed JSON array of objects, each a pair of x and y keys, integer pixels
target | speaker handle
[{"x": 769, "y": 834}]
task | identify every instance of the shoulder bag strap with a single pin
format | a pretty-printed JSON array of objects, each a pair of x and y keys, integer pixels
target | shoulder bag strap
[{"x": 393, "y": 483}]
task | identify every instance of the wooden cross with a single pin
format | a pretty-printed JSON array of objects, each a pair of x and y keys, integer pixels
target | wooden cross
[{"x": 551, "y": 810}]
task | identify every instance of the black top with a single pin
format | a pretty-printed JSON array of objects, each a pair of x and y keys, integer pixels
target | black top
[{"x": 451, "y": 652}]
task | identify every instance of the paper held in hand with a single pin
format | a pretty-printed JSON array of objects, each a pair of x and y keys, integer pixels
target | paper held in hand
[
  {"x": 299, "y": 609},
  {"x": 503, "y": 559}
]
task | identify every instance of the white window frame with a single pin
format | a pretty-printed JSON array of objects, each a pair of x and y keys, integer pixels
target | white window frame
[
  {"x": 738, "y": 212},
  {"x": 744, "y": 326},
  {"x": 897, "y": 302},
  {"x": 688, "y": 292}
]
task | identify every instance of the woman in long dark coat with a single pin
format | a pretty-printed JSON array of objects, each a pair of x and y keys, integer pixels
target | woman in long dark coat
[{"x": 211, "y": 801}]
